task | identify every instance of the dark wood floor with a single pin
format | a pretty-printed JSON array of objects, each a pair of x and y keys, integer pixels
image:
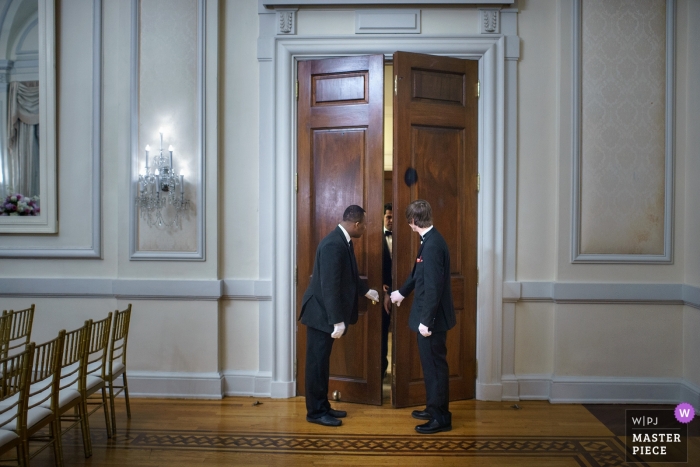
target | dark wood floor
[{"x": 233, "y": 431}]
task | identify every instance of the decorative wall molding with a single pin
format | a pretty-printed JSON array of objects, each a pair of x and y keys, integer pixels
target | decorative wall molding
[
  {"x": 490, "y": 20},
  {"x": 94, "y": 250},
  {"x": 586, "y": 292},
  {"x": 200, "y": 205},
  {"x": 576, "y": 255},
  {"x": 287, "y": 21},
  {"x": 138, "y": 289},
  {"x": 265, "y": 6},
  {"x": 387, "y": 21}
]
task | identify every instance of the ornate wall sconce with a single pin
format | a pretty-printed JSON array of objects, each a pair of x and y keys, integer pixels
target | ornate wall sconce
[{"x": 159, "y": 189}]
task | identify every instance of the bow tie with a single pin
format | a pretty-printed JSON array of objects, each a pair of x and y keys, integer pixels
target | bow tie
[{"x": 387, "y": 233}]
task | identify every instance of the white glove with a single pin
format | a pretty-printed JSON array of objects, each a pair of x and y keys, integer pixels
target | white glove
[
  {"x": 423, "y": 329},
  {"x": 396, "y": 297},
  {"x": 372, "y": 295},
  {"x": 338, "y": 330}
]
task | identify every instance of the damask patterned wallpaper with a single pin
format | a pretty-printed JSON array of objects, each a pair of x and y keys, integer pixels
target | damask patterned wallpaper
[
  {"x": 623, "y": 126},
  {"x": 168, "y": 101}
]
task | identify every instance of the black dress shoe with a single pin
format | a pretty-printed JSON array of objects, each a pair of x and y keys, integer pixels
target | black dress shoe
[
  {"x": 421, "y": 415},
  {"x": 337, "y": 413},
  {"x": 432, "y": 427},
  {"x": 325, "y": 420}
]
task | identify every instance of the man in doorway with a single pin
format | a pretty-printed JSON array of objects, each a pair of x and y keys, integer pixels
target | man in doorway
[
  {"x": 432, "y": 315},
  {"x": 386, "y": 283},
  {"x": 329, "y": 305}
]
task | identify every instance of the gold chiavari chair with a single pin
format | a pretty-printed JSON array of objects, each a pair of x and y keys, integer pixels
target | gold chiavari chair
[
  {"x": 72, "y": 375},
  {"x": 116, "y": 363},
  {"x": 96, "y": 362},
  {"x": 14, "y": 384},
  {"x": 42, "y": 406},
  {"x": 18, "y": 331}
]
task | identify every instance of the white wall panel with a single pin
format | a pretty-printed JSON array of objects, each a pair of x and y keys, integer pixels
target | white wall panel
[
  {"x": 534, "y": 338},
  {"x": 619, "y": 340},
  {"x": 239, "y": 333}
]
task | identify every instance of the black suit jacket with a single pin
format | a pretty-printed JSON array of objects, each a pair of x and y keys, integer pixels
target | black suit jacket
[
  {"x": 335, "y": 286},
  {"x": 386, "y": 264},
  {"x": 432, "y": 304}
]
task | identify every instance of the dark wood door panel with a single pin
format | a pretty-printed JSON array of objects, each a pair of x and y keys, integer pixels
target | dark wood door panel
[
  {"x": 339, "y": 163},
  {"x": 435, "y": 134}
]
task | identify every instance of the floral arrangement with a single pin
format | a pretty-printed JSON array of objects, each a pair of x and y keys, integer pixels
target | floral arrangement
[{"x": 19, "y": 205}]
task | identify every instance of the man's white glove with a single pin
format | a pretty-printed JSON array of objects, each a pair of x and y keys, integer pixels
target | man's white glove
[
  {"x": 372, "y": 295},
  {"x": 396, "y": 297},
  {"x": 338, "y": 330},
  {"x": 423, "y": 329}
]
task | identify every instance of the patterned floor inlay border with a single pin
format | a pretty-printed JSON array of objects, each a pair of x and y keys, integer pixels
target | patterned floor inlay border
[{"x": 587, "y": 451}]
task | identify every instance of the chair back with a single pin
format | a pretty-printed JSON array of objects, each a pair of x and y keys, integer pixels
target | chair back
[
  {"x": 73, "y": 358},
  {"x": 18, "y": 331},
  {"x": 118, "y": 340},
  {"x": 97, "y": 345},
  {"x": 13, "y": 390},
  {"x": 45, "y": 376}
]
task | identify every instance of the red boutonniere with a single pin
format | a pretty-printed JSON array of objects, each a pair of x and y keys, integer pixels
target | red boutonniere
[{"x": 419, "y": 259}]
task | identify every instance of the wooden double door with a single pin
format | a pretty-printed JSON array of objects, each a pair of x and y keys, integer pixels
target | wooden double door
[{"x": 340, "y": 113}]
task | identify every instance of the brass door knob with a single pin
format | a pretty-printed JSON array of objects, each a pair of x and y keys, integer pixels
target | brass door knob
[{"x": 336, "y": 395}]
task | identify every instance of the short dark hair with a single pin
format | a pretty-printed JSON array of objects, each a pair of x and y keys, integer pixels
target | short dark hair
[
  {"x": 420, "y": 212},
  {"x": 353, "y": 213},
  {"x": 388, "y": 207}
]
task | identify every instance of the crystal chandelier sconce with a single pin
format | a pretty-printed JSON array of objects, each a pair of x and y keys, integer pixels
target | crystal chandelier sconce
[{"x": 161, "y": 197}]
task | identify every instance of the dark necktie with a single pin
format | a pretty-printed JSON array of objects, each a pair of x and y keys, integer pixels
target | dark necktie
[{"x": 387, "y": 233}]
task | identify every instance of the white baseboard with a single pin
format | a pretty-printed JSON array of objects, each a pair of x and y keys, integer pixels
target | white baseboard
[
  {"x": 283, "y": 390},
  {"x": 489, "y": 392},
  {"x": 175, "y": 385},
  {"x": 246, "y": 383},
  {"x": 690, "y": 394},
  {"x": 600, "y": 390}
]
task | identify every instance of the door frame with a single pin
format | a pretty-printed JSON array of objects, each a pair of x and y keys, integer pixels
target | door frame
[{"x": 278, "y": 56}]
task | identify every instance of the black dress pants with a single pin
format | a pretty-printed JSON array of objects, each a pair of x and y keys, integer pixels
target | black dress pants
[
  {"x": 318, "y": 353},
  {"x": 436, "y": 375},
  {"x": 386, "y": 320}
]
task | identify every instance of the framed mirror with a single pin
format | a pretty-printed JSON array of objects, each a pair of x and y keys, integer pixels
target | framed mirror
[{"x": 27, "y": 117}]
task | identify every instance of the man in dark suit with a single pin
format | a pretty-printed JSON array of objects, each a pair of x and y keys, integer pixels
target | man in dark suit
[
  {"x": 432, "y": 315},
  {"x": 328, "y": 306},
  {"x": 386, "y": 282}
]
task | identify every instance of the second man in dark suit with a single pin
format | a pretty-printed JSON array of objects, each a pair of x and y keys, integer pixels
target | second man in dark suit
[
  {"x": 329, "y": 305},
  {"x": 386, "y": 282},
  {"x": 432, "y": 315}
]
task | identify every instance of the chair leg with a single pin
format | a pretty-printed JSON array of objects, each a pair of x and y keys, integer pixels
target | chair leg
[
  {"x": 55, "y": 431},
  {"x": 126, "y": 395},
  {"x": 85, "y": 427},
  {"x": 111, "y": 407},
  {"x": 108, "y": 423}
]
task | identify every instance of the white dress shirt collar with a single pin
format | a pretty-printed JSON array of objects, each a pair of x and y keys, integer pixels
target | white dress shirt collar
[{"x": 347, "y": 235}]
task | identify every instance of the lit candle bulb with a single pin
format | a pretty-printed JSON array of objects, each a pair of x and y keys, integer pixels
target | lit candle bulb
[
  {"x": 158, "y": 186},
  {"x": 171, "y": 156},
  {"x": 148, "y": 148}
]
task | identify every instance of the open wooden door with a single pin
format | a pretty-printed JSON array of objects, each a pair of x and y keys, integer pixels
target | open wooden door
[
  {"x": 435, "y": 133},
  {"x": 340, "y": 162}
]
